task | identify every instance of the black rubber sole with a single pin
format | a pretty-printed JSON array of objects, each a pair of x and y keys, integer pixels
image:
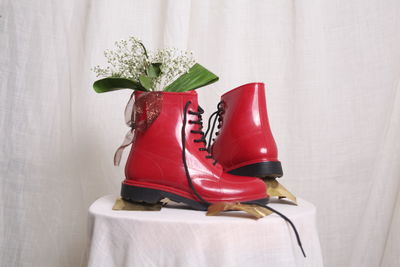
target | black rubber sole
[
  {"x": 153, "y": 196},
  {"x": 271, "y": 169}
]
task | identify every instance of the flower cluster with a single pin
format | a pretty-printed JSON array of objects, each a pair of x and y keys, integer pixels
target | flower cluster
[
  {"x": 174, "y": 63},
  {"x": 130, "y": 60}
]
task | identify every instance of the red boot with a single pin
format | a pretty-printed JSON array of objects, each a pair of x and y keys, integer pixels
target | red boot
[
  {"x": 168, "y": 158},
  {"x": 244, "y": 144}
]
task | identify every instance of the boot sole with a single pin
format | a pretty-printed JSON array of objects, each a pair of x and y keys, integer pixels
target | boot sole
[
  {"x": 270, "y": 169},
  {"x": 153, "y": 196}
]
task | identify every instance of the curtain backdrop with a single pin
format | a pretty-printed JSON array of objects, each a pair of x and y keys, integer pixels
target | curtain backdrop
[{"x": 332, "y": 72}]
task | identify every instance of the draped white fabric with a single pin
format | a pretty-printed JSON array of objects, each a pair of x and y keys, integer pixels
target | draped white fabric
[
  {"x": 332, "y": 72},
  {"x": 222, "y": 241}
]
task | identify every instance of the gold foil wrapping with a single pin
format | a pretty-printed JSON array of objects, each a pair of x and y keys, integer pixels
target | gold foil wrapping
[
  {"x": 254, "y": 210},
  {"x": 275, "y": 189},
  {"x": 121, "y": 204}
]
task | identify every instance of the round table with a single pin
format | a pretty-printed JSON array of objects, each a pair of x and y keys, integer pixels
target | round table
[{"x": 182, "y": 237}]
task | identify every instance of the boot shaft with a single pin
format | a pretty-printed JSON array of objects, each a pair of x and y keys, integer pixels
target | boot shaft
[
  {"x": 159, "y": 119},
  {"x": 157, "y": 147},
  {"x": 245, "y": 135}
]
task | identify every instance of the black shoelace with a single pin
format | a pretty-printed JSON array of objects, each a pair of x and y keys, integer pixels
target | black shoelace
[
  {"x": 202, "y": 139},
  {"x": 211, "y": 126}
]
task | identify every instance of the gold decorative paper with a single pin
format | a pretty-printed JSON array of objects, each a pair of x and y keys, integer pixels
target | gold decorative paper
[
  {"x": 121, "y": 204},
  {"x": 254, "y": 210},
  {"x": 275, "y": 189}
]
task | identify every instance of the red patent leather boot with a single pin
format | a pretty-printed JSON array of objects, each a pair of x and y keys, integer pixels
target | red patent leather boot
[
  {"x": 168, "y": 158},
  {"x": 244, "y": 144}
]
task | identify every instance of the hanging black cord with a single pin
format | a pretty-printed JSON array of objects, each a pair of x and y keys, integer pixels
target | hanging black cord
[
  {"x": 291, "y": 224},
  {"x": 188, "y": 178}
]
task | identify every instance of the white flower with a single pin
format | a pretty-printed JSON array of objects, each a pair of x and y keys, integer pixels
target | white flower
[
  {"x": 174, "y": 63},
  {"x": 130, "y": 60}
]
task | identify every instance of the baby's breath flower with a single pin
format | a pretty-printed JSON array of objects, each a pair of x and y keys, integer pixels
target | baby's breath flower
[
  {"x": 174, "y": 63},
  {"x": 130, "y": 60}
]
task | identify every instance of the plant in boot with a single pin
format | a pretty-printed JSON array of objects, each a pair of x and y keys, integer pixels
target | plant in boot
[{"x": 130, "y": 65}]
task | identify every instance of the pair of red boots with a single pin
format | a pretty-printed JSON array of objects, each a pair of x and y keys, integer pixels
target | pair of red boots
[{"x": 169, "y": 157}]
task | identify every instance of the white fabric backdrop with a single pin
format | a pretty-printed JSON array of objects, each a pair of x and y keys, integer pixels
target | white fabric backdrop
[{"x": 332, "y": 70}]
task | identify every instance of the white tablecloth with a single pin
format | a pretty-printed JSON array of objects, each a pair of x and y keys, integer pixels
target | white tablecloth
[{"x": 181, "y": 237}]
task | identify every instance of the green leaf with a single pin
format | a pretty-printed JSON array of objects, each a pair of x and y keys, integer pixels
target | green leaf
[
  {"x": 112, "y": 84},
  {"x": 197, "y": 77},
  {"x": 146, "y": 81},
  {"x": 154, "y": 70}
]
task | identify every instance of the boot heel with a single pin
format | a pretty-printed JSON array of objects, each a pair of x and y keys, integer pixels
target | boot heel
[
  {"x": 141, "y": 194},
  {"x": 270, "y": 169}
]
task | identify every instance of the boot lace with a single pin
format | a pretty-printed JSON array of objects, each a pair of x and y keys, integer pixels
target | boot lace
[
  {"x": 203, "y": 140},
  {"x": 211, "y": 126}
]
